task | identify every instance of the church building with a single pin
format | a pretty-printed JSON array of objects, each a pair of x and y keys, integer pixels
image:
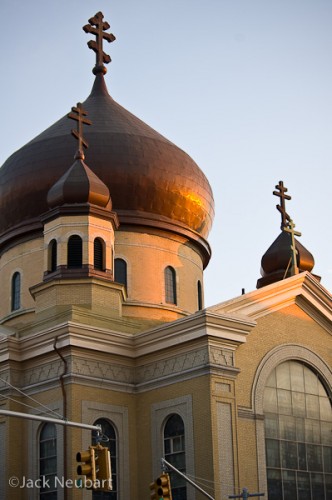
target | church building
[{"x": 104, "y": 228}]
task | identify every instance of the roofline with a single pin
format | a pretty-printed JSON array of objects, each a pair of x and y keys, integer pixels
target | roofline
[{"x": 303, "y": 289}]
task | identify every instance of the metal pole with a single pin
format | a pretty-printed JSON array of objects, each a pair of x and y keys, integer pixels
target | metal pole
[
  {"x": 49, "y": 419},
  {"x": 186, "y": 478},
  {"x": 245, "y": 494}
]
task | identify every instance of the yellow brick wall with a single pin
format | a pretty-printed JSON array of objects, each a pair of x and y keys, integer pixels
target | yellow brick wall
[
  {"x": 291, "y": 325},
  {"x": 27, "y": 259},
  {"x": 147, "y": 256}
]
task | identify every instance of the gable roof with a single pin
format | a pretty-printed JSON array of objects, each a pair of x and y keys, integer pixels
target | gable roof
[{"x": 302, "y": 289}]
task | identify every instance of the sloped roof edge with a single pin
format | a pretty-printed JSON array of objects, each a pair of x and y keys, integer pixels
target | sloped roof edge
[{"x": 302, "y": 289}]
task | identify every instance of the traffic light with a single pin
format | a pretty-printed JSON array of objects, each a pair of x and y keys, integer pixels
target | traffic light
[
  {"x": 95, "y": 465},
  {"x": 161, "y": 488},
  {"x": 103, "y": 468},
  {"x": 87, "y": 466}
]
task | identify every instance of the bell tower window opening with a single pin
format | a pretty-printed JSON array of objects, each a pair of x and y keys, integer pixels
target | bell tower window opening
[
  {"x": 175, "y": 454},
  {"x": 298, "y": 434},
  {"x": 109, "y": 433},
  {"x": 52, "y": 255},
  {"x": 48, "y": 462},
  {"x": 170, "y": 285},
  {"x": 120, "y": 271},
  {"x": 75, "y": 251},
  {"x": 99, "y": 254},
  {"x": 16, "y": 292}
]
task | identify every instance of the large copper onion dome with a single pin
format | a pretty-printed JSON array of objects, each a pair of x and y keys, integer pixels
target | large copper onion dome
[{"x": 151, "y": 180}]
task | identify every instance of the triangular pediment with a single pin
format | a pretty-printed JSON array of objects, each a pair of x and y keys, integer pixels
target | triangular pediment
[{"x": 302, "y": 289}]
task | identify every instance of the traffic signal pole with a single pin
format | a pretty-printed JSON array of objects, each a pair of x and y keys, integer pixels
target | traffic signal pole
[
  {"x": 29, "y": 416},
  {"x": 170, "y": 466}
]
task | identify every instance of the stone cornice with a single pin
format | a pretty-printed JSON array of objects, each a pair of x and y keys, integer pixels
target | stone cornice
[
  {"x": 204, "y": 324},
  {"x": 202, "y": 328},
  {"x": 193, "y": 346}
]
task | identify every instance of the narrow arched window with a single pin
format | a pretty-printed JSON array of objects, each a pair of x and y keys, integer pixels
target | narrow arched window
[
  {"x": 298, "y": 434},
  {"x": 175, "y": 454},
  {"x": 48, "y": 462},
  {"x": 16, "y": 291},
  {"x": 53, "y": 250},
  {"x": 170, "y": 285},
  {"x": 99, "y": 254},
  {"x": 199, "y": 296},
  {"x": 120, "y": 271},
  {"x": 75, "y": 251},
  {"x": 109, "y": 440}
]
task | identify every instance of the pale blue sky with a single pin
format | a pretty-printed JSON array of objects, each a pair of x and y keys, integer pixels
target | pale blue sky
[{"x": 243, "y": 86}]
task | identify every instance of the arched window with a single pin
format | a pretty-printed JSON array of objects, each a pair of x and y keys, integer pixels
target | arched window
[
  {"x": 109, "y": 440},
  {"x": 298, "y": 434},
  {"x": 170, "y": 285},
  {"x": 98, "y": 254},
  {"x": 120, "y": 271},
  {"x": 174, "y": 450},
  {"x": 16, "y": 291},
  {"x": 75, "y": 251},
  {"x": 48, "y": 462},
  {"x": 52, "y": 249},
  {"x": 199, "y": 296}
]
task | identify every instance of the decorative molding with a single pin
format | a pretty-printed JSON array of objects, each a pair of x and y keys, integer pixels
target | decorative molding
[
  {"x": 189, "y": 365},
  {"x": 34, "y": 428},
  {"x": 102, "y": 371},
  {"x": 278, "y": 355},
  {"x": 119, "y": 417},
  {"x": 226, "y": 451},
  {"x": 182, "y": 406},
  {"x": 248, "y": 414},
  {"x": 220, "y": 356}
]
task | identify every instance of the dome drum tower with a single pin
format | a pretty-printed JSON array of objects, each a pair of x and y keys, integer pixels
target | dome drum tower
[{"x": 162, "y": 203}]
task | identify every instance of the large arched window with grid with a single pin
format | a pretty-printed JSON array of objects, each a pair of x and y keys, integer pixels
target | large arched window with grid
[
  {"x": 48, "y": 462},
  {"x": 298, "y": 434},
  {"x": 16, "y": 292},
  {"x": 109, "y": 439},
  {"x": 175, "y": 454},
  {"x": 170, "y": 285}
]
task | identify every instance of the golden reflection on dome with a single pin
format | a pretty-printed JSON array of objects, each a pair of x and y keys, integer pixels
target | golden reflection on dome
[{"x": 194, "y": 199}]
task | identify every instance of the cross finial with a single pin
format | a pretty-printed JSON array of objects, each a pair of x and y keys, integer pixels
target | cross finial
[
  {"x": 78, "y": 114},
  {"x": 282, "y": 190},
  {"x": 97, "y": 46},
  {"x": 290, "y": 229}
]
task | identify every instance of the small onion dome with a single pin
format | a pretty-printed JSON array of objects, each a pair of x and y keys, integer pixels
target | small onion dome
[
  {"x": 276, "y": 262},
  {"x": 79, "y": 185}
]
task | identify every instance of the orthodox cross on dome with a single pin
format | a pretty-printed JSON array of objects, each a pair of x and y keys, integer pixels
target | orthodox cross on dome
[
  {"x": 282, "y": 190},
  {"x": 290, "y": 229},
  {"x": 78, "y": 114},
  {"x": 97, "y": 46}
]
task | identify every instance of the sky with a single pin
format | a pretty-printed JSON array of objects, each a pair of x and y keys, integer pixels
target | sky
[{"x": 243, "y": 86}]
